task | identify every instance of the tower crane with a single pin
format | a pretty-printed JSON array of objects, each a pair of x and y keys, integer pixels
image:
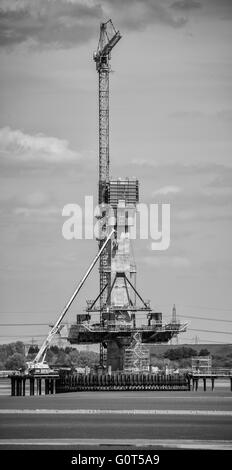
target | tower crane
[{"x": 109, "y": 37}]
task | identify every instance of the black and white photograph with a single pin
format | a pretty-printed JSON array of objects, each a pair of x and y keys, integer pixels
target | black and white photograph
[{"x": 116, "y": 229}]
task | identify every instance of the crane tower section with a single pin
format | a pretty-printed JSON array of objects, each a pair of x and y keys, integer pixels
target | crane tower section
[
  {"x": 108, "y": 39},
  {"x": 102, "y": 59}
]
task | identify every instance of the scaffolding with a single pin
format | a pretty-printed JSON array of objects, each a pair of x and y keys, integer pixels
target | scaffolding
[
  {"x": 136, "y": 356},
  {"x": 201, "y": 364}
]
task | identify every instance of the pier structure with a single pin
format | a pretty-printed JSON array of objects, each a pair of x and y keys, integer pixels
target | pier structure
[
  {"x": 118, "y": 331},
  {"x": 32, "y": 384},
  {"x": 22, "y": 385}
]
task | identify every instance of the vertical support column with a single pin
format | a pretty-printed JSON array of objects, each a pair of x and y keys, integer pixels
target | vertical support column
[
  {"x": 231, "y": 384},
  {"x": 13, "y": 386},
  {"x": 46, "y": 387},
  {"x": 52, "y": 386},
  {"x": 204, "y": 383},
  {"x": 19, "y": 386},
  {"x": 212, "y": 383},
  {"x": 57, "y": 385},
  {"x": 24, "y": 387},
  {"x": 32, "y": 386},
  {"x": 38, "y": 386}
]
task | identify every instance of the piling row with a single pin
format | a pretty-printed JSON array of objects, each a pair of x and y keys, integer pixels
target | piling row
[{"x": 114, "y": 382}]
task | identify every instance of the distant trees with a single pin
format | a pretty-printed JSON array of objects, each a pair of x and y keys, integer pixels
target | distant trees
[
  {"x": 7, "y": 350},
  {"x": 180, "y": 353},
  {"x": 180, "y": 357},
  {"x": 33, "y": 349},
  {"x": 12, "y": 356},
  {"x": 15, "y": 361},
  {"x": 204, "y": 352}
]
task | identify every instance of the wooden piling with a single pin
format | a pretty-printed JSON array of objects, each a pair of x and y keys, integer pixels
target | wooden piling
[
  {"x": 51, "y": 386},
  {"x": 23, "y": 386},
  {"x": 38, "y": 386},
  {"x": 13, "y": 386},
  {"x": 212, "y": 383},
  {"x": 32, "y": 386},
  {"x": 18, "y": 386},
  {"x": 204, "y": 383}
]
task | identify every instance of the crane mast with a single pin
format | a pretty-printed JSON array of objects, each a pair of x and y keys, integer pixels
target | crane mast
[{"x": 108, "y": 39}]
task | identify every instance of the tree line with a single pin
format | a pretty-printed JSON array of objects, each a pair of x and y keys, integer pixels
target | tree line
[{"x": 13, "y": 356}]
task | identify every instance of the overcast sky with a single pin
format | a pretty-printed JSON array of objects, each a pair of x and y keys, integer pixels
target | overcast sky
[{"x": 171, "y": 116}]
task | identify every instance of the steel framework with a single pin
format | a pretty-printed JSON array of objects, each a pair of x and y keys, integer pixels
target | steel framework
[{"x": 102, "y": 59}]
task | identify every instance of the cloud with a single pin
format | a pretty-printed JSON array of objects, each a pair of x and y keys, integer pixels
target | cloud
[
  {"x": 222, "y": 180},
  {"x": 211, "y": 8},
  {"x": 137, "y": 14},
  {"x": 64, "y": 23},
  {"x": 17, "y": 146},
  {"x": 48, "y": 22},
  {"x": 167, "y": 190}
]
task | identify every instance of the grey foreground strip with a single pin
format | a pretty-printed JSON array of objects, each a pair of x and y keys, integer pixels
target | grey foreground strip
[
  {"x": 166, "y": 443},
  {"x": 118, "y": 412}
]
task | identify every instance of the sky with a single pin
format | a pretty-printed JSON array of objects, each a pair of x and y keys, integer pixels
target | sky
[{"x": 170, "y": 126}]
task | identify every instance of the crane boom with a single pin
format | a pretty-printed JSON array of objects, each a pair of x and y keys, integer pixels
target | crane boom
[{"x": 41, "y": 354}]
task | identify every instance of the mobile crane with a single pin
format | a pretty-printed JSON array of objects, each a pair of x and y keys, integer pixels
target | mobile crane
[{"x": 39, "y": 365}]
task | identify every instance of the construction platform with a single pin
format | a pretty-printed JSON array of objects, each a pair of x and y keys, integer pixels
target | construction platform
[{"x": 86, "y": 333}]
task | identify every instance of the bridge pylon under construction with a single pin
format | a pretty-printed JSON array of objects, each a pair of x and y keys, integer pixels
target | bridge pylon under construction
[{"x": 121, "y": 336}]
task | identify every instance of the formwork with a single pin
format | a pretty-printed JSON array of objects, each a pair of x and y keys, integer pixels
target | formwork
[{"x": 126, "y": 189}]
